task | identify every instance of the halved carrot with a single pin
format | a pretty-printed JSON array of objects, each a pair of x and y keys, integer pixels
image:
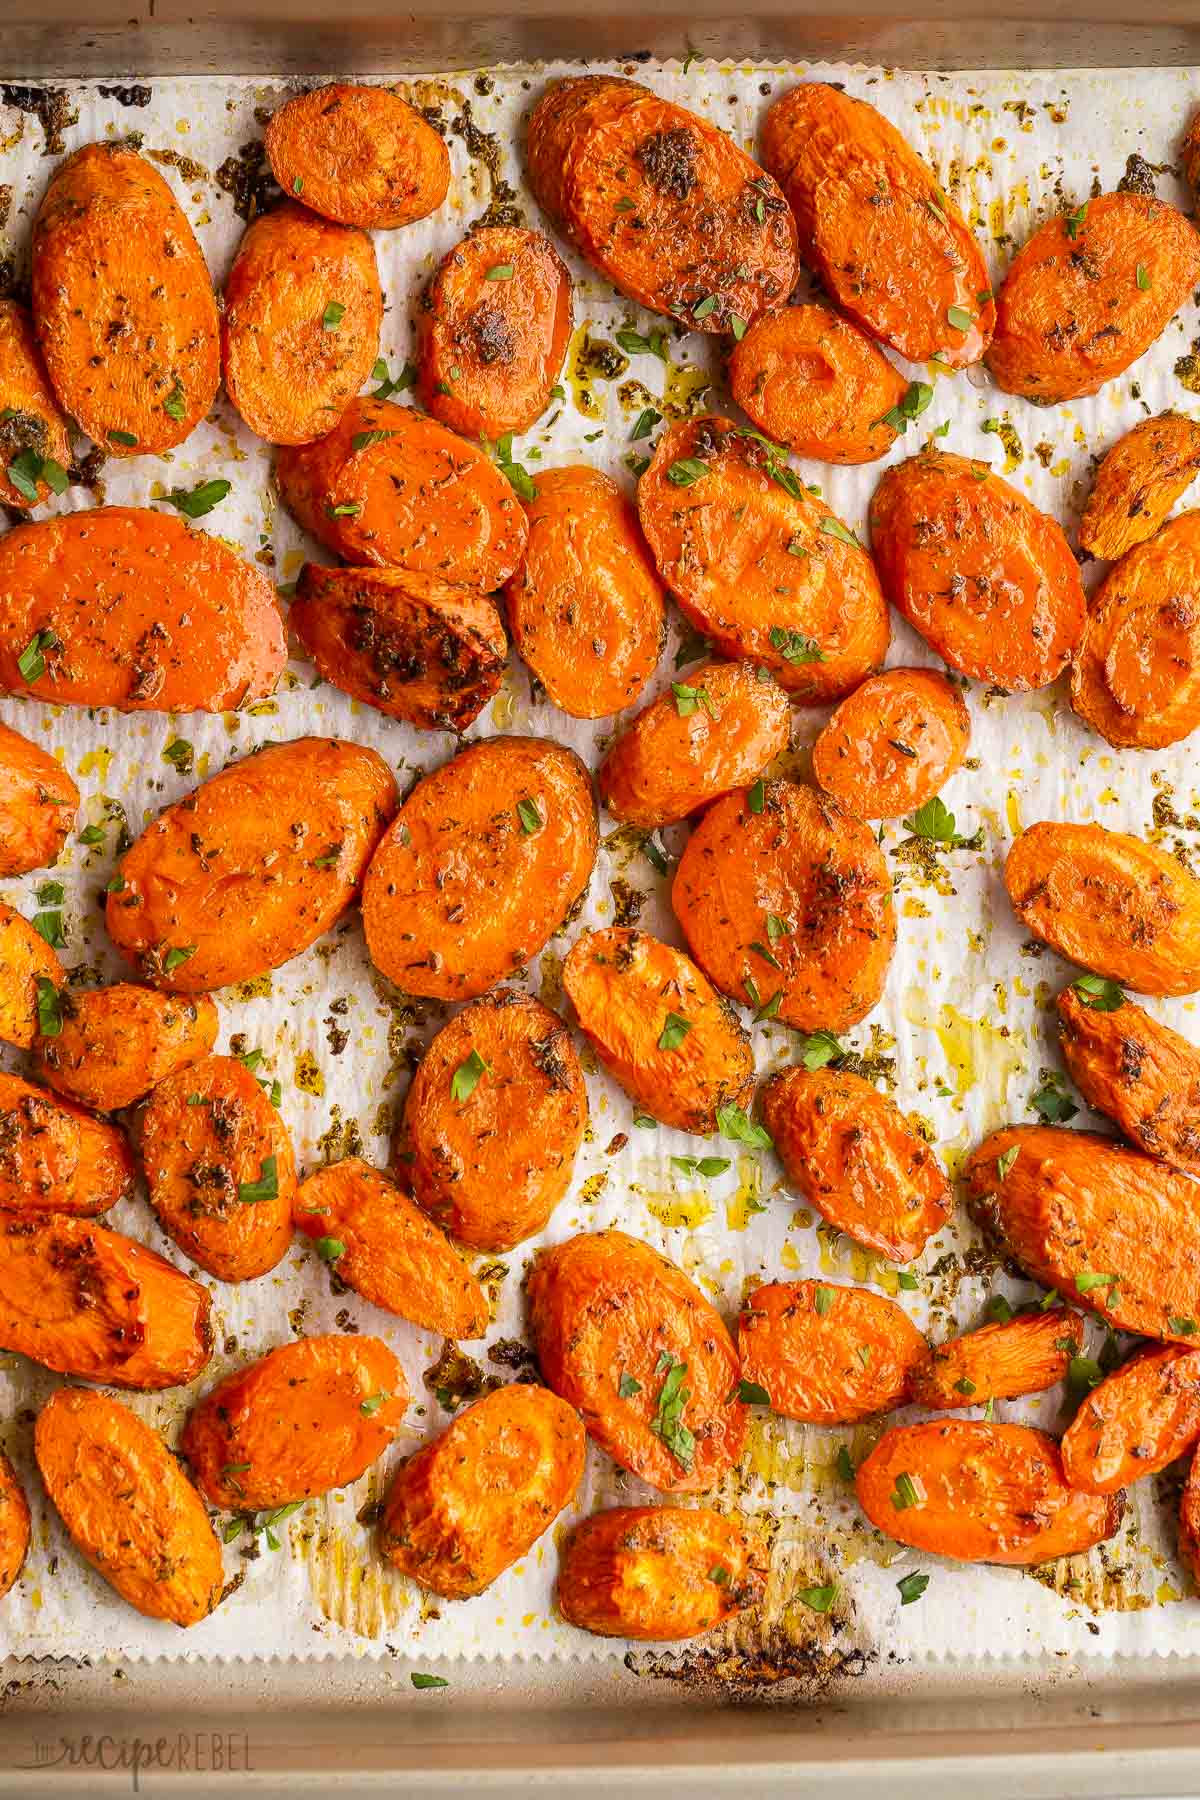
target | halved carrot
[
  {"x": 14, "y": 1525},
  {"x": 815, "y": 382},
  {"x": 893, "y": 742},
  {"x": 55, "y": 1157},
  {"x": 26, "y": 961},
  {"x": 1135, "y": 1421},
  {"x": 428, "y": 651},
  {"x": 358, "y": 154},
  {"x": 828, "y": 1355},
  {"x": 763, "y": 569},
  {"x": 35, "y": 448},
  {"x": 494, "y": 330},
  {"x": 1138, "y": 483},
  {"x": 38, "y": 803},
  {"x": 1145, "y": 1076},
  {"x": 388, "y": 486},
  {"x": 1023, "y": 1355},
  {"x": 107, "y": 1047},
  {"x": 979, "y": 1492},
  {"x": 659, "y": 1573}
]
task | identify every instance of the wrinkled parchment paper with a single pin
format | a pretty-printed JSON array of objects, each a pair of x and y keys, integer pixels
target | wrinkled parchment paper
[{"x": 961, "y": 1037}]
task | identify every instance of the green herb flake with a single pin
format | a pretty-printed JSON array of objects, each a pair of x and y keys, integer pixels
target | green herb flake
[
  {"x": 1143, "y": 278},
  {"x": 751, "y": 1393},
  {"x": 333, "y": 315},
  {"x": 1083, "y": 1374},
  {"x": 179, "y": 953},
  {"x": 834, "y": 528},
  {"x": 634, "y": 344},
  {"x": 645, "y": 422},
  {"x": 1182, "y": 1327},
  {"x": 737, "y": 324},
  {"x": 1074, "y": 221},
  {"x": 822, "y": 1301},
  {"x": 733, "y": 1123},
  {"x": 756, "y": 798},
  {"x": 181, "y": 754},
  {"x": 251, "y": 1193},
  {"x": 720, "y": 1574},
  {"x": 1005, "y": 1161},
  {"x": 91, "y": 835},
  {"x": 195, "y": 502},
  {"x": 689, "y": 699},
  {"x": 466, "y": 1077},
  {"x": 329, "y": 1249},
  {"x": 911, "y": 404},
  {"x": 346, "y": 509},
  {"x": 999, "y": 1311},
  {"x": 1052, "y": 1104},
  {"x": 519, "y": 479},
  {"x": 529, "y": 818},
  {"x": 818, "y": 1599},
  {"x": 667, "y": 1422},
  {"x": 907, "y": 1280},
  {"x": 298, "y": 185},
  {"x": 794, "y": 647},
  {"x": 499, "y": 272},
  {"x": 371, "y": 1405},
  {"x": 820, "y": 1048},
  {"x": 328, "y": 859},
  {"x": 843, "y": 1462},
  {"x": 125, "y": 438},
  {"x": 674, "y": 1030},
  {"x": 627, "y": 1387},
  {"x": 51, "y": 893},
  {"x": 1090, "y": 1279},
  {"x": 958, "y": 318},
  {"x": 428, "y": 1681},
  {"x": 686, "y": 471},
  {"x": 116, "y": 885},
  {"x": 175, "y": 404},
  {"x": 49, "y": 1008},
  {"x": 49, "y": 926},
  {"x": 31, "y": 663},
  {"x": 362, "y": 440},
  {"x": 1098, "y": 993},
  {"x": 965, "y": 1387},
  {"x": 911, "y": 1587},
  {"x": 906, "y": 1493}
]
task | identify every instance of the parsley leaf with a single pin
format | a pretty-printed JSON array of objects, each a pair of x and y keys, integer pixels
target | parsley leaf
[
  {"x": 465, "y": 1078},
  {"x": 911, "y": 1587},
  {"x": 675, "y": 1029},
  {"x": 49, "y": 1008},
  {"x": 1098, "y": 993},
  {"x": 193, "y": 503},
  {"x": 250, "y": 1193},
  {"x": 819, "y": 1048},
  {"x": 667, "y": 1422},
  {"x": 733, "y": 1123},
  {"x": 794, "y": 647}
]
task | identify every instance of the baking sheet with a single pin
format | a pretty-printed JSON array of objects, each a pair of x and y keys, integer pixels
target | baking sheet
[{"x": 961, "y": 1036}]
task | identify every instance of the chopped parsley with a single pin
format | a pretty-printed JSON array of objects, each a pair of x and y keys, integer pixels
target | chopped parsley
[{"x": 466, "y": 1077}]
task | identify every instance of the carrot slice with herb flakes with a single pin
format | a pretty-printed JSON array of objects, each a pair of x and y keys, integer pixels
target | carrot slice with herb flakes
[
  {"x": 1138, "y": 483},
  {"x": 757, "y": 564},
  {"x": 30, "y": 973},
  {"x": 55, "y": 1157},
  {"x": 1003, "y": 1361},
  {"x": 825, "y": 1354},
  {"x": 1145, "y": 1076},
  {"x": 1136, "y": 1421},
  {"x": 35, "y": 447},
  {"x": 358, "y": 154},
  {"x": 659, "y": 1573},
  {"x": 38, "y": 803},
  {"x": 14, "y": 1525},
  {"x": 893, "y": 743},
  {"x": 107, "y": 1047},
  {"x": 815, "y": 382}
]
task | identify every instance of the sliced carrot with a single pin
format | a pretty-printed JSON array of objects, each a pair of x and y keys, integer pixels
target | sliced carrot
[
  {"x": 815, "y": 382},
  {"x": 55, "y": 1157},
  {"x": 27, "y": 966},
  {"x": 1145, "y": 1076},
  {"x": 358, "y": 154},
  {"x": 893, "y": 742},
  {"x": 1136, "y": 1421},
  {"x": 38, "y": 803},
  {"x": 659, "y": 1572},
  {"x": 34, "y": 440},
  {"x": 1024, "y": 1355},
  {"x": 828, "y": 1355}
]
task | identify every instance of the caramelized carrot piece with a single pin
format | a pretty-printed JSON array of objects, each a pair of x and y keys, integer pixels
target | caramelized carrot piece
[
  {"x": 1138, "y": 483},
  {"x": 113, "y": 1044},
  {"x": 978, "y": 1492},
  {"x": 893, "y": 742},
  {"x": 26, "y": 960},
  {"x": 358, "y": 154},
  {"x": 14, "y": 1525},
  {"x": 659, "y": 1572},
  {"x": 55, "y": 1157},
  {"x": 1189, "y": 1521},
  {"x": 815, "y": 382},
  {"x": 38, "y": 803},
  {"x": 828, "y": 1355},
  {"x": 1138, "y": 1071},
  {"x": 1135, "y": 1421},
  {"x": 33, "y": 430},
  {"x": 1024, "y": 1355},
  {"x": 384, "y": 1247}
]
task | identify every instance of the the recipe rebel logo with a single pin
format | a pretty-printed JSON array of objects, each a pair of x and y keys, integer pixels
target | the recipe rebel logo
[{"x": 187, "y": 1752}]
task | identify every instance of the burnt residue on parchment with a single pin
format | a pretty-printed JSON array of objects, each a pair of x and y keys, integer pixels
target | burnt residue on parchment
[
  {"x": 51, "y": 107},
  {"x": 485, "y": 151},
  {"x": 128, "y": 96},
  {"x": 248, "y": 180},
  {"x": 1139, "y": 176}
]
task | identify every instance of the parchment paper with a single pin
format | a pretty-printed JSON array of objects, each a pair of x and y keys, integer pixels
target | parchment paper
[{"x": 961, "y": 1035}]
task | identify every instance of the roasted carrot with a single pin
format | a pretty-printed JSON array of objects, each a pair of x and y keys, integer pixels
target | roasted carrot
[
  {"x": 494, "y": 330},
  {"x": 756, "y": 563},
  {"x": 300, "y": 325},
  {"x": 123, "y": 304},
  {"x": 418, "y": 648},
  {"x": 28, "y": 968},
  {"x": 893, "y": 742},
  {"x": 389, "y": 487},
  {"x": 889, "y": 244},
  {"x": 1189, "y": 1521},
  {"x": 107, "y": 1047},
  {"x": 1138, "y": 483},
  {"x": 1145, "y": 1076},
  {"x": 1003, "y": 1361},
  {"x": 464, "y": 1508},
  {"x": 131, "y": 608},
  {"x": 632, "y": 1343},
  {"x": 14, "y": 1525},
  {"x": 38, "y": 803},
  {"x": 1113, "y": 1230},
  {"x": 35, "y": 448},
  {"x": 128, "y": 1506},
  {"x": 358, "y": 154},
  {"x": 979, "y": 1492},
  {"x": 1136, "y": 677},
  {"x": 382, "y": 1245},
  {"x": 828, "y": 1355},
  {"x": 1121, "y": 907},
  {"x": 852, "y": 1154},
  {"x": 55, "y": 1157},
  {"x": 586, "y": 607},
  {"x": 987, "y": 579},
  {"x": 249, "y": 869},
  {"x": 815, "y": 382},
  {"x": 1135, "y": 1421},
  {"x": 482, "y": 863},
  {"x": 1088, "y": 293},
  {"x": 661, "y": 201},
  {"x": 658, "y": 1027},
  {"x": 785, "y": 900},
  {"x": 309, "y": 1416},
  {"x": 88, "y": 1302},
  {"x": 659, "y": 1572},
  {"x": 493, "y": 1119}
]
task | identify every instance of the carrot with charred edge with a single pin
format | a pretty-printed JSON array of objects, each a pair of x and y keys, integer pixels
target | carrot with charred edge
[
  {"x": 33, "y": 431},
  {"x": 1145, "y": 1076},
  {"x": 814, "y": 382},
  {"x": 55, "y": 1157},
  {"x": 1135, "y": 1422},
  {"x": 130, "y": 608},
  {"x": 979, "y": 1492},
  {"x": 417, "y": 648},
  {"x": 716, "y": 729},
  {"x": 494, "y": 331},
  {"x": 130, "y": 339},
  {"x": 1136, "y": 677},
  {"x": 662, "y": 202},
  {"x": 1088, "y": 293},
  {"x": 220, "y": 1167},
  {"x": 1121, "y": 907},
  {"x": 624, "y": 1335},
  {"x": 1025, "y": 1355},
  {"x": 113, "y": 1044},
  {"x": 586, "y": 607},
  {"x": 788, "y": 901},
  {"x": 463, "y": 1509},
  {"x": 128, "y": 1506},
  {"x": 482, "y": 863},
  {"x": 38, "y": 803},
  {"x": 88, "y": 1302},
  {"x": 986, "y": 578},
  {"x": 309, "y": 1416},
  {"x": 659, "y": 1573},
  {"x": 358, "y": 154},
  {"x": 855, "y": 1157},
  {"x": 491, "y": 1157},
  {"x": 300, "y": 324},
  {"x": 757, "y": 564},
  {"x": 26, "y": 960},
  {"x": 659, "y": 1028},
  {"x": 828, "y": 1355},
  {"x": 391, "y": 488},
  {"x": 893, "y": 743},
  {"x": 14, "y": 1525},
  {"x": 380, "y": 1243},
  {"x": 1138, "y": 483},
  {"x": 908, "y": 270},
  {"x": 1114, "y": 1230},
  {"x": 251, "y": 867}
]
